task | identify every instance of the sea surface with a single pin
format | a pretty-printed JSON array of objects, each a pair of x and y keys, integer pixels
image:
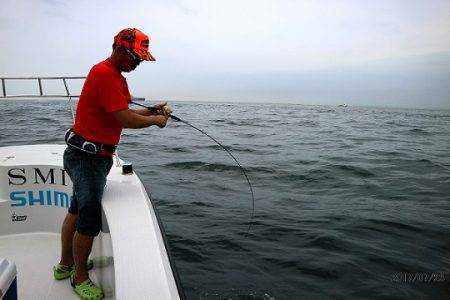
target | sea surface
[{"x": 350, "y": 202}]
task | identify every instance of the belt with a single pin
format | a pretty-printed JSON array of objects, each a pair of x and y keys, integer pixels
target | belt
[{"x": 80, "y": 143}]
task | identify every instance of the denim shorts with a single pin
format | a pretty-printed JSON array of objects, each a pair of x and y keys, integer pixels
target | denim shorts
[{"x": 88, "y": 174}]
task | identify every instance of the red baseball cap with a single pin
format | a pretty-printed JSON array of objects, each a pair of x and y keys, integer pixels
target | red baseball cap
[{"x": 134, "y": 40}]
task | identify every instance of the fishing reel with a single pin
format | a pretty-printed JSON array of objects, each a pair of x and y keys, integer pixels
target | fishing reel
[{"x": 166, "y": 110}]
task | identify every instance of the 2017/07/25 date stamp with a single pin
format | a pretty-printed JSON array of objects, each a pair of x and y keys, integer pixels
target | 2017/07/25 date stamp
[{"x": 419, "y": 277}]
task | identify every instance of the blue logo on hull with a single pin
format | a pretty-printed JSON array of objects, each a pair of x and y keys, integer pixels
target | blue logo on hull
[{"x": 42, "y": 198}]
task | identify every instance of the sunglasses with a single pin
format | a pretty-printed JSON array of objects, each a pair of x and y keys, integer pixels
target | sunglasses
[{"x": 135, "y": 57}]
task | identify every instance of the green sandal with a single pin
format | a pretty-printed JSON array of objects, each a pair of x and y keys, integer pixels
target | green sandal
[
  {"x": 62, "y": 272},
  {"x": 87, "y": 290}
]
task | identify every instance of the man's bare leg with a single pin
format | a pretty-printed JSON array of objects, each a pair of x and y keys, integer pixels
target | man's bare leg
[
  {"x": 82, "y": 245},
  {"x": 67, "y": 233}
]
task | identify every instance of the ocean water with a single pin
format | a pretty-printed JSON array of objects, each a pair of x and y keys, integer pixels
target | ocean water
[{"x": 350, "y": 202}]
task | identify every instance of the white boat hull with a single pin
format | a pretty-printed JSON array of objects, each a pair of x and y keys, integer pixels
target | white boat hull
[{"x": 130, "y": 257}]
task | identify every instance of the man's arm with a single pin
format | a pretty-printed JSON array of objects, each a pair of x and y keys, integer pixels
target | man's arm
[
  {"x": 143, "y": 112},
  {"x": 129, "y": 119},
  {"x": 147, "y": 112}
]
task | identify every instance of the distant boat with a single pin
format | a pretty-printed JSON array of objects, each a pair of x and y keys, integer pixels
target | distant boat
[{"x": 342, "y": 105}]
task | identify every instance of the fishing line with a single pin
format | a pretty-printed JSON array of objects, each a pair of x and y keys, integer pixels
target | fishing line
[{"x": 166, "y": 109}]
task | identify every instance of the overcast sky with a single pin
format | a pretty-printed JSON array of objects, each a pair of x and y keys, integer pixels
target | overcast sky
[{"x": 380, "y": 53}]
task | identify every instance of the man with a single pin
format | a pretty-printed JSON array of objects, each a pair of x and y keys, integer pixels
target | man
[{"x": 102, "y": 112}]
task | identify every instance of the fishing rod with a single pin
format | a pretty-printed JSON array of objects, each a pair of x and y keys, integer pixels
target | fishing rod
[{"x": 167, "y": 111}]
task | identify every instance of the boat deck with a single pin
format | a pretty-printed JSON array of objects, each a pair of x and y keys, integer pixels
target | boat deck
[{"x": 42, "y": 251}]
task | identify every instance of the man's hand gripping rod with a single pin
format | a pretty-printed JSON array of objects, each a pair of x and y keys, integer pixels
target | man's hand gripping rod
[{"x": 166, "y": 110}]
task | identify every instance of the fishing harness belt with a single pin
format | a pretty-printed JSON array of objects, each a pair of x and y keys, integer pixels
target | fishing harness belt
[{"x": 74, "y": 140}]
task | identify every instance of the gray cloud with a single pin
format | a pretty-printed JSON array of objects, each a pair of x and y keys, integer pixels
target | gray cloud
[{"x": 369, "y": 53}]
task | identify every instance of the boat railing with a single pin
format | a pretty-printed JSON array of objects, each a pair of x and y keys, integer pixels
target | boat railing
[{"x": 42, "y": 93}]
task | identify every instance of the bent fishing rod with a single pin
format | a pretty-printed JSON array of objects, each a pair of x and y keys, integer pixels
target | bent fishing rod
[{"x": 167, "y": 111}]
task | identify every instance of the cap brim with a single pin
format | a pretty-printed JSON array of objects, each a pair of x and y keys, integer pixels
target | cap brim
[
  {"x": 145, "y": 55},
  {"x": 151, "y": 58}
]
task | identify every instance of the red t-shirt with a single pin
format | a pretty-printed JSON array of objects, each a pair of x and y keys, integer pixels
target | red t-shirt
[{"x": 104, "y": 92}]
